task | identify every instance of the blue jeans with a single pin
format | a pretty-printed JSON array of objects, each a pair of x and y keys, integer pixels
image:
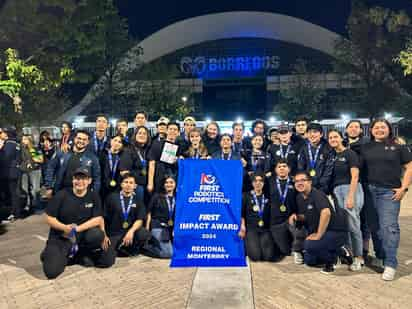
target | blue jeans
[
  {"x": 354, "y": 238},
  {"x": 166, "y": 248},
  {"x": 388, "y": 233}
]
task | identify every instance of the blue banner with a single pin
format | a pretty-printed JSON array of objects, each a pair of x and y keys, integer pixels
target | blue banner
[{"x": 208, "y": 213}]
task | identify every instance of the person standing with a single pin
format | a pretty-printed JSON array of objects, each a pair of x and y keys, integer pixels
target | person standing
[
  {"x": 189, "y": 123},
  {"x": 196, "y": 149},
  {"x": 66, "y": 140},
  {"x": 384, "y": 163},
  {"x": 100, "y": 141},
  {"x": 348, "y": 193},
  {"x": 211, "y": 137}
]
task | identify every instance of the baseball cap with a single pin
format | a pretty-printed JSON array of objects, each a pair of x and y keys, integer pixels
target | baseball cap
[
  {"x": 163, "y": 120},
  {"x": 81, "y": 171},
  {"x": 283, "y": 128},
  {"x": 189, "y": 118},
  {"x": 315, "y": 127}
]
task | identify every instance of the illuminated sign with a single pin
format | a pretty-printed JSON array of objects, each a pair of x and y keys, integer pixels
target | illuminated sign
[{"x": 199, "y": 66}]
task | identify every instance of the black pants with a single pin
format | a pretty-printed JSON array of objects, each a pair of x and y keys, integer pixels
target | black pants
[
  {"x": 55, "y": 256},
  {"x": 259, "y": 245},
  {"x": 10, "y": 196},
  {"x": 115, "y": 249},
  {"x": 282, "y": 238}
]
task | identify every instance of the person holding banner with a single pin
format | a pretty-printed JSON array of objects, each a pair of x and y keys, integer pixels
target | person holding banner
[
  {"x": 256, "y": 221},
  {"x": 196, "y": 148},
  {"x": 160, "y": 218},
  {"x": 282, "y": 205},
  {"x": 162, "y": 158},
  {"x": 316, "y": 158},
  {"x": 109, "y": 164},
  {"x": 123, "y": 221}
]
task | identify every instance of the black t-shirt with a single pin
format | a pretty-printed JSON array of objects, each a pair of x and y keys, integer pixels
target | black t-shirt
[
  {"x": 382, "y": 163},
  {"x": 72, "y": 165},
  {"x": 159, "y": 210},
  {"x": 251, "y": 215},
  {"x": 256, "y": 162},
  {"x": 342, "y": 164},
  {"x": 278, "y": 215},
  {"x": 113, "y": 213},
  {"x": 69, "y": 208},
  {"x": 134, "y": 161},
  {"x": 312, "y": 207},
  {"x": 289, "y": 152}
]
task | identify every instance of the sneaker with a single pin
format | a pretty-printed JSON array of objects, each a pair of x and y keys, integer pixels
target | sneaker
[
  {"x": 389, "y": 273},
  {"x": 356, "y": 265},
  {"x": 375, "y": 262},
  {"x": 298, "y": 257},
  {"x": 346, "y": 255},
  {"x": 338, "y": 263},
  {"x": 11, "y": 218},
  {"x": 328, "y": 269}
]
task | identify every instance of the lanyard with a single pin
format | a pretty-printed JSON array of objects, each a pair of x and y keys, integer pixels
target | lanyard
[
  {"x": 113, "y": 166},
  {"x": 170, "y": 206},
  {"x": 261, "y": 205},
  {"x": 98, "y": 146},
  {"x": 73, "y": 240},
  {"x": 282, "y": 154},
  {"x": 312, "y": 158},
  {"x": 125, "y": 211},
  {"x": 282, "y": 195},
  {"x": 255, "y": 160},
  {"x": 141, "y": 158},
  {"x": 196, "y": 155},
  {"x": 228, "y": 157}
]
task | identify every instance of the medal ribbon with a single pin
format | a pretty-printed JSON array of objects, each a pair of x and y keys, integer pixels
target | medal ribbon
[
  {"x": 282, "y": 195},
  {"x": 261, "y": 206},
  {"x": 282, "y": 154},
  {"x": 75, "y": 247},
  {"x": 125, "y": 211},
  {"x": 313, "y": 159},
  {"x": 113, "y": 166},
  {"x": 228, "y": 157},
  {"x": 170, "y": 206},
  {"x": 98, "y": 146},
  {"x": 197, "y": 155},
  {"x": 141, "y": 159}
]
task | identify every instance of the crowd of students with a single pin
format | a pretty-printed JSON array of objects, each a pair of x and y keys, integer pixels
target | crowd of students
[{"x": 319, "y": 196}]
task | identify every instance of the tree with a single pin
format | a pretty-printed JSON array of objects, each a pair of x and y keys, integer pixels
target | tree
[
  {"x": 303, "y": 96},
  {"x": 405, "y": 59},
  {"x": 376, "y": 35}
]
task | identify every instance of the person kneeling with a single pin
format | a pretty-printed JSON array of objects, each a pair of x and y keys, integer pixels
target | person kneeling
[
  {"x": 255, "y": 222},
  {"x": 74, "y": 216},
  {"x": 324, "y": 224},
  {"x": 124, "y": 214}
]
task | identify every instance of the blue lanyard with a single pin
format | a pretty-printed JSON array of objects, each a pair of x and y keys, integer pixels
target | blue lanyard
[
  {"x": 73, "y": 240},
  {"x": 255, "y": 161},
  {"x": 313, "y": 159},
  {"x": 170, "y": 206},
  {"x": 228, "y": 157},
  {"x": 282, "y": 154},
  {"x": 282, "y": 195},
  {"x": 261, "y": 205},
  {"x": 113, "y": 166},
  {"x": 126, "y": 211},
  {"x": 141, "y": 159},
  {"x": 197, "y": 155},
  {"x": 98, "y": 146}
]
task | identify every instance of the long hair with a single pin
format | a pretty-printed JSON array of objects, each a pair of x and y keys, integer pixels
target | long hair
[
  {"x": 202, "y": 148},
  {"x": 149, "y": 139},
  {"x": 391, "y": 138}
]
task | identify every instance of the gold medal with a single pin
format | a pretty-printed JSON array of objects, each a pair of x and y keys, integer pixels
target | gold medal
[
  {"x": 261, "y": 223},
  {"x": 255, "y": 208},
  {"x": 312, "y": 173},
  {"x": 113, "y": 183},
  {"x": 125, "y": 224},
  {"x": 282, "y": 208},
  {"x": 144, "y": 172},
  {"x": 170, "y": 222}
]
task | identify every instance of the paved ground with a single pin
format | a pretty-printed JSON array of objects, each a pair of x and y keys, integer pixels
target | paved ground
[{"x": 149, "y": 283}]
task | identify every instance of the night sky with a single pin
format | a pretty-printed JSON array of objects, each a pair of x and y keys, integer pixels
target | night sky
[{"x": 147, "y": 17}]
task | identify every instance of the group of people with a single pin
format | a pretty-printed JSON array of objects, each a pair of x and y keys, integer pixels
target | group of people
[{"x": 319, "y": 196}]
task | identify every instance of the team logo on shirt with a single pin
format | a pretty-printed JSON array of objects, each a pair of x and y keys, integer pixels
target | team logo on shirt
[
  {"x": 88, "y": 205},
  {"x": 310, "y": 206},
  {"x": 207, "y": 179}
]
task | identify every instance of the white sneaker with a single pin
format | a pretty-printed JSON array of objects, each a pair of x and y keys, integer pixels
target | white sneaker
[
  {"x": 298, "y": 257},
  {"x": 389, "y": 273},
  {"x": 356, "y": 265},
  {"x": 338, "y": 263}
]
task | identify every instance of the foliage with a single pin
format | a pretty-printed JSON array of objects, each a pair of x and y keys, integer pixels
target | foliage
[
  {"x": 405, "y": 59},
  {"x": 303, "y": 96}
]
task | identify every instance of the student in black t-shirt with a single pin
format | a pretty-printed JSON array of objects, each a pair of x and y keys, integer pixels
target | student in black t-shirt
[
  {"x": 162, "y": 162},
  {"x": 282, "y": 197},
  {"x": 257, "y": 161},
  {"x": 196, "y": 149},
  {"x": 325, "y": 225},
  {"x": 74, "y": 216},
  {"x": 161, "y": 217},
  {"x": 348, "y": 192},
  {"x": 123, "y": 216},
  {"x": 100, "y": 141},
  {"x": 384, "y": 162},
  {"x": 211, "y": 137},
  {"x": 239, "y": 143},
  {"x": 256, "y": 222},
  {"x": 109, "y": 166},
  {"x": 226, "y": 152}
]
